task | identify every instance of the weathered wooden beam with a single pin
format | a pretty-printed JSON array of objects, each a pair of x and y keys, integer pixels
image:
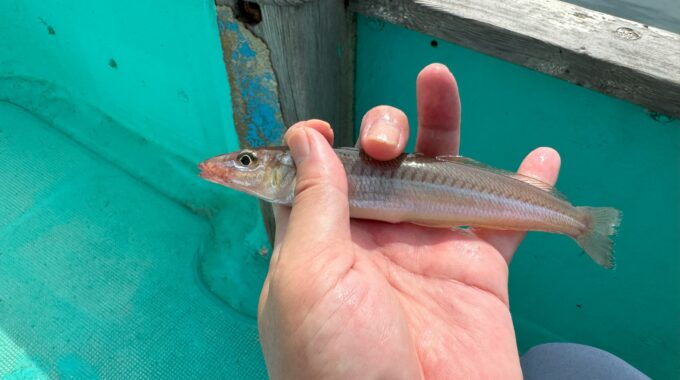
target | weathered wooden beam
[
  {"x": 615, "y": 56},
  {"x": 312, "y": 52},
  {"x": 288, "y": 60}
]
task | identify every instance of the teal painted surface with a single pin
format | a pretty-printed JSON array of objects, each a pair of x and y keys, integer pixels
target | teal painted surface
[
  {"x": 613, "y": 154},
  {"x": 105, "y": 109}
]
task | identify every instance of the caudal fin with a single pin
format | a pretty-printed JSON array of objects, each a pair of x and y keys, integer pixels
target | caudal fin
[{"x": 596, "y": 242}]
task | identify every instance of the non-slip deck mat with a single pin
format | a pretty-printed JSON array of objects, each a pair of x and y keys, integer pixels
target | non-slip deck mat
[{"x": 98, "y": 272}]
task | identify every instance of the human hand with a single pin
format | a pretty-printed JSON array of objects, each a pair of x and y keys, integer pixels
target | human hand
[{"x": 359, "y": 299}]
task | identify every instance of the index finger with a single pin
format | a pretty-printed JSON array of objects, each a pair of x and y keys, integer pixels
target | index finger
[
  {"x": 438, "y": 111},
  {"x": 384, "y": 133}
]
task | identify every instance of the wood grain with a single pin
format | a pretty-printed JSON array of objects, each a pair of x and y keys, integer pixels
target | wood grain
[
  {"x": 312, "y": 53},
  {"x": 618, "y": 57}
]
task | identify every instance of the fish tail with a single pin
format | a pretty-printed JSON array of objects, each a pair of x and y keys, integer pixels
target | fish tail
[{"x": 596, "y": 240}]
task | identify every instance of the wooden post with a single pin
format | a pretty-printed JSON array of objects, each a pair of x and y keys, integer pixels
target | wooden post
[{"x": 288, "y": 61}]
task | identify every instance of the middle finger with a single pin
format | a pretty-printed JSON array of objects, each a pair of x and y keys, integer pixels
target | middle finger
[{"x": 438, "y": 111}]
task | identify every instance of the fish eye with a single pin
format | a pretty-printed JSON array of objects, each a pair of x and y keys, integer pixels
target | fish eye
[{"x": 246, "y": 158}]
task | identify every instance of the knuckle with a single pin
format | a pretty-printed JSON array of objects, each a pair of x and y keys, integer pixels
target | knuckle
[
  {"x": 308, "y": 184},
  {"x": 314, "y": 190}
]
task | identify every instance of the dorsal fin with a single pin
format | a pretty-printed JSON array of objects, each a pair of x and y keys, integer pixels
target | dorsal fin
[{"x": 530, "y": 180}]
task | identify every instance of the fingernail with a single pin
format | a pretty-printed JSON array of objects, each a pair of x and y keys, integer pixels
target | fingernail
[
  {"x": 324, "y": 123},
  {"x": 298, "y": 142},
  {"x": 384, "y": 130}
]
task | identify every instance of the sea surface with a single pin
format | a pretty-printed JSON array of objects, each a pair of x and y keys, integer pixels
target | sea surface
[{"x": 664, "y": 14}]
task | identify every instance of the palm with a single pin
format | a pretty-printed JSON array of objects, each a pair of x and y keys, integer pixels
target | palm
[
  {"x": 458, "y": 257},
  {"x": 444, "y": 291},
  {"x": 432, "y": 300}
]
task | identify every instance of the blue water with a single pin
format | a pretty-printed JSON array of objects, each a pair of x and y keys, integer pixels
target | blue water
[{"x": 664, "y": 14}]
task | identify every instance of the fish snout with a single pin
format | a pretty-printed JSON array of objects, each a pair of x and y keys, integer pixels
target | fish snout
[{"x": 209, "y": 170}]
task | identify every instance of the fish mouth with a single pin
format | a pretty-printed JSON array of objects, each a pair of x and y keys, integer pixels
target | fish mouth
[
  {"x": 210, "y": 172},
  {"x": 207, "y": 176},
  {"x": 204, "y": 170}
]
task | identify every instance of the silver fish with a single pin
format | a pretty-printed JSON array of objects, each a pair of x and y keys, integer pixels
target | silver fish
[{"x": 443, "y": 191}]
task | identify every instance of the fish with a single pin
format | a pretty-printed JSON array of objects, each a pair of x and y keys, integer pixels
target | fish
[{"x": 446, "y": 191}]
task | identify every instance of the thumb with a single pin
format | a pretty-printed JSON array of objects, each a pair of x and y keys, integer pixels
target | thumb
[{"x": 319, "y": 219}]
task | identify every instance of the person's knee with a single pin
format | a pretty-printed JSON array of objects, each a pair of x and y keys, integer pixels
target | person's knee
[{"x": 566, "y": 361}]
